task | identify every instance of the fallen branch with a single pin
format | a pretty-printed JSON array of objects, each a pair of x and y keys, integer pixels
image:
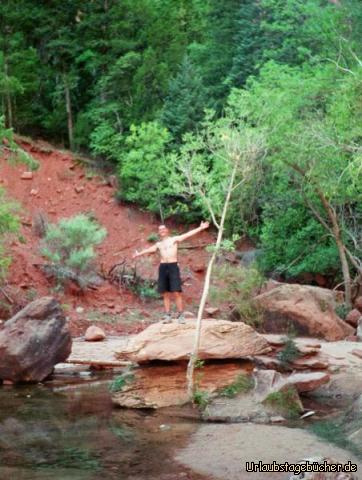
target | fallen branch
[{"x": 10, "y": 300}]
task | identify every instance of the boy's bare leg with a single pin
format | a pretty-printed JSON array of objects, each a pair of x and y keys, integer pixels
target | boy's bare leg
[
  {"x": 167, "y": 302},
  {"x": 179, "y": 302}
]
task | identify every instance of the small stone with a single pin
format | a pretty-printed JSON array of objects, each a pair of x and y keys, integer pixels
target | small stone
[
  {"x": 357, "y": 352},
  {"x": 27, "y": 176},
  {"x": 34, "y": 192},
  {"x": 188, "y": 314},
  {"x": 79, "y": 309},
  {"x": 8, "y": 382},
  {"x": 164, "y": 427},
  {"x": 353, "y": 317},
  {"x": 211, "y": 311},
  {"x": 277, "y": 419},
  {"x": 94, "y": 334},
  {"x": 351, "y": 338},
  {"x": 358, "y": 303},
  {"x": 79, "y": 188}
]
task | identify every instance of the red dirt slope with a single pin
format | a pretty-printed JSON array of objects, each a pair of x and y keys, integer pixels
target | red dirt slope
[{"x": 61, "y": 188}]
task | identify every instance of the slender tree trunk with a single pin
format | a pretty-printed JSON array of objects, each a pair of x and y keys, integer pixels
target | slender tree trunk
[
  {"x": 9, "y": 109},
  {"x": 341, "y": 248},
  {"x": 205, "y": 292},
  {"x": 334, "y": 229},
  {"x": 68, "y": 105}
]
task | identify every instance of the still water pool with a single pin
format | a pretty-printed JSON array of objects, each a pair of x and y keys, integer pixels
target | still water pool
[{"x": 74, "y": 433}]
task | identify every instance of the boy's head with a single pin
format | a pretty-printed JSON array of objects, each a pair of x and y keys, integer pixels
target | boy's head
[{"x": 163, "y": 231}]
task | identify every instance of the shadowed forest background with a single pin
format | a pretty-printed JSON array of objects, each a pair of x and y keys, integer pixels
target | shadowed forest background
[{"x": 149, "y": 87}]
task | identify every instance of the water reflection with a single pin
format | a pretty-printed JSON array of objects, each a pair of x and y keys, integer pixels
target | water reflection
[{"x": 77, "y": 434}]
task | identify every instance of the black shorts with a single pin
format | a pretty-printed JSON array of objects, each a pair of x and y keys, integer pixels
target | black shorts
[{"x": 169, "y": 279}]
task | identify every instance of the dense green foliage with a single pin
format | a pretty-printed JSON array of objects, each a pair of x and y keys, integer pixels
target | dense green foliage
[
  {"x": 149, "y": 84},
  {"x": 69, "y": 246}
]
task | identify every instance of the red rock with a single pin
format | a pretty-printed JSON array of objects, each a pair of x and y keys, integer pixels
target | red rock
[
  {"x": 269, "y": 363},
  {"x": 220, "y": 339},
  {"x": 33, "y": 341},
  {"x": 275, "y": 340},
  {"x": 27, "y": 176},
  {"x": 351, "y": 338},
  {"x": 313, "y": 345},
  {"x": 94, "y": 334},
  {"x": 354, "y": 317},
  {"x": 321, "y": 280},
  {"x": 165, "y": 386},
  {"x": 8, "y": 382},
  {"x": 79, "y": 188},
  {"x": 307, "y": 351},
  {"x": 311, "y": 311},
  {"x": 307, "y": 382},
  {"x": 315, "y": 363},
  {"x": 357, "y": 352},
  {"x": 358, "y": 303}
]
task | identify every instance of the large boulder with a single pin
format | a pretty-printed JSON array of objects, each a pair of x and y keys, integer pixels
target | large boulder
[
  {"x": 220, "y": 339},
  {"x": 33, "y": 341},
  {"x": 310, "y": 310}
]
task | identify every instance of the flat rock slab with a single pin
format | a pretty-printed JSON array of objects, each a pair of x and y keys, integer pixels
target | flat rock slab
[
  {"x": 220, "y": 339},
  {"x": 221, "y": 451},
  {"x": 100, "y": 354}
]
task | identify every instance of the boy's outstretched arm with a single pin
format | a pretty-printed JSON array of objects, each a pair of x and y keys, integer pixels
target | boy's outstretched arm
[
  {"x": 152, "y": 249},
  {"x": 191, "y": 233}
]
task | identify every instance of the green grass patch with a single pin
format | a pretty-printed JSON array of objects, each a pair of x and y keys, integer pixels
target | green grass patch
[
  {"x": 120, "y": 382},
  {"x": 284, "y": 402},
  {"x": 201, "y": 398},
  {"x": 243, "y": 384}
]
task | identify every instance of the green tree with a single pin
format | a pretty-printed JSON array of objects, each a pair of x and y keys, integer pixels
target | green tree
[
  {"x": 312, "y": 149},
  {"x": 184, "y": 105},
  {"x": 145, "y": 169}
]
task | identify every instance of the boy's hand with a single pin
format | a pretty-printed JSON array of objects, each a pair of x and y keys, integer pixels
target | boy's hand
[{"x": 204, "y": 225}]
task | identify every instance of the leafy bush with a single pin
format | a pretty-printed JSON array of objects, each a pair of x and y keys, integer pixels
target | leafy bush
[
  {"x": 153, "y": 237},
  {"x": 17, "y": 154},
  {"x": 289, "y": 352},
  {"x": 8, "y": 224},
  {"x": 237, "y": 285},
  {"x": 308, "y": 248},
  {"x": 69, "y": 245}
]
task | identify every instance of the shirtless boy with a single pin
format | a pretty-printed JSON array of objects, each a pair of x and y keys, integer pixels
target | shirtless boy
[{"x": 169, "y": 280}]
